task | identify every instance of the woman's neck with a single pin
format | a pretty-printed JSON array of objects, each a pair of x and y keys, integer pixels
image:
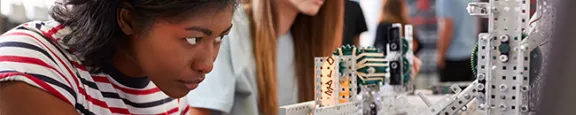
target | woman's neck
[
  {"x": 126, "y": 63},
  {"x": 286, "y": 15}
]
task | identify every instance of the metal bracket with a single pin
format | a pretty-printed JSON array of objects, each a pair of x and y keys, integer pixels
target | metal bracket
[
  {"x": 478, "y": 9},
  {"x": 452, "y": 104},
  {"x": 350, "y": 108},
  {"x": 297, "y": 109}
]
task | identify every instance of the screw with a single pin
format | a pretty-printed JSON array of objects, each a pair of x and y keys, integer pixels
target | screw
[
  {"x": 502, "y": 106},
  {"x": 494, "y": 10},
  {"x": 371, "y": 70},
  {"x": 506, "y": 9},
  {"x": 482, "y": 106},
  {"x": 503, "y": 58},
  {"x": 524, "y": 88},
  {"x": 524, "y": 47},
  {"x": 480, "y": 86},
  {"x": 394, "y": 65},
  {"x": 481, "y": 76},
  {"x": 503, "y": 87},
  {"x": 504, "y": 38},
  {"x": 524, "y": 108},
  {"x": 466, "y": 96},
  {"x": 393, "y": 46},
  {"x": 484, "y": 38}
]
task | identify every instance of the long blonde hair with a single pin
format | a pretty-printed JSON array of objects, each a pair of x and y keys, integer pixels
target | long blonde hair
[{"x": 313, "y": 36}]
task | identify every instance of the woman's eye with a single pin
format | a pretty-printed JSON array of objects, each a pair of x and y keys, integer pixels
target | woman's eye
[{"x": 193, "y": 41}]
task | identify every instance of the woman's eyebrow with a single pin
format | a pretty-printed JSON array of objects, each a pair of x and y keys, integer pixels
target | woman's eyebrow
[{"x": 200, "y": 29}]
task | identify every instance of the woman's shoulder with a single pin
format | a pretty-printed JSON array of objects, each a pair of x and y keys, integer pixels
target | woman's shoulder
[
  {"x": 241, "y": 26},
  {"x": 238, "y": 43},
  {"x": 29, "y": 54},
  {"x": 37, "y": 39},
  {"x": 240, "y": 39},
  {"x": 44, "y": 33}
]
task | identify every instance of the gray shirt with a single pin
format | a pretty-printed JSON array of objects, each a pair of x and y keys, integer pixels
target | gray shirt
[
  {"x": 287, "y": 83},
  {"x": 231, "y": 86},
  {"x": 465, "y": 28}
]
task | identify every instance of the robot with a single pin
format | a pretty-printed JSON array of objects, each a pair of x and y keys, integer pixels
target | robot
[
  {"x": 361, "y": 81},
  {"x": 506, "y": 62}
]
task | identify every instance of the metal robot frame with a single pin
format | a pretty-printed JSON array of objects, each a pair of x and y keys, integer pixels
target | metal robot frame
[
  {"x": 504, "y": 55},
  {"x": 503, "y": 70}
]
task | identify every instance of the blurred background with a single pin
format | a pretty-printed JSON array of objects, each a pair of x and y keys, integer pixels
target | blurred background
[
  {"x": 16, "y": 12},
  {"x": 421, "y": 14}
]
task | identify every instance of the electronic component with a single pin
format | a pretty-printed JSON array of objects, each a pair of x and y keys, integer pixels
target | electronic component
[
  {"x": 502, "y": 62},
  {"x": 505, "y": 61},
  {"x": 360, "y": 81}
]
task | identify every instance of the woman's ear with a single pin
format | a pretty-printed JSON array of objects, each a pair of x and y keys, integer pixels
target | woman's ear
[{"x": 125, "y": 19}]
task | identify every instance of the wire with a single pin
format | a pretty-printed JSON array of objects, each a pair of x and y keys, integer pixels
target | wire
[
  {"x": 535, "y": 20},
  {"x": 545, "y": 42}
]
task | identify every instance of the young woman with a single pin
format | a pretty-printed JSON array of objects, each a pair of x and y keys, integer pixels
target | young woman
[
  {"x": 111, "y": 57},
  {"x": 267, "y": 61}
]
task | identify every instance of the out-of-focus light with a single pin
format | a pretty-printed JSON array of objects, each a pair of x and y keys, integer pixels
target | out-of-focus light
[{"x": 26, "y": 10}]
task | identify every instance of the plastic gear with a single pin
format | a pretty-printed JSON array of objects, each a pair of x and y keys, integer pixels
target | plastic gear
[
  {"x": 535, "y": 56},
  {"x": 347, "y": 50},
  {"x": 406, "y": 68},
  {"x": 405, "y": 46}
]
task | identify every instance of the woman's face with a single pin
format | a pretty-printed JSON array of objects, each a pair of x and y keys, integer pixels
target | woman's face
[
  {"x": 307, "y": 7},
  {"x": 176, "y": 55}
]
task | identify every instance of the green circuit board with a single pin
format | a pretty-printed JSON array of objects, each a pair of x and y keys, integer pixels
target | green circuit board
[{"x": 371, "y": 64}]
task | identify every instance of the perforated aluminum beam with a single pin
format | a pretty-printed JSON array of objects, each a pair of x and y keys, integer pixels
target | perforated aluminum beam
[{"x": 297, "y": 109}]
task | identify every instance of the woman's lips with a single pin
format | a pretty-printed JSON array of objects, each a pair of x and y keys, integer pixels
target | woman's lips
[{"x": 192, "y": 84}]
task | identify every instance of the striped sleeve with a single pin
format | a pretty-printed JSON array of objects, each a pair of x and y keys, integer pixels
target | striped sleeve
[{"x": 26, "y": 56}]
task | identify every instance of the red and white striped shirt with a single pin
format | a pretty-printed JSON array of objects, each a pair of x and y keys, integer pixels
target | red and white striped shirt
[{"x": 34, "y": 53}]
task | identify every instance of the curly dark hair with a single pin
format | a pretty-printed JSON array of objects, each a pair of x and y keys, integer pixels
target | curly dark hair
[{"x": 96, "y": 31}]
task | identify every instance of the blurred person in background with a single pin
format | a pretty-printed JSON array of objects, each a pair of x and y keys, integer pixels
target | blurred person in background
[
  {"x": 395, "y": 11},
  {"x": 354, "y": 23},
  {"x": 457, "y": 36},
  {"x": 267, "y": 60},
  {"x": 104, "y": 57}
]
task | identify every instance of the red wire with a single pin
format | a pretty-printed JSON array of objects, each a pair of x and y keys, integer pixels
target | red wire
[{"x": 530, "y": 24}]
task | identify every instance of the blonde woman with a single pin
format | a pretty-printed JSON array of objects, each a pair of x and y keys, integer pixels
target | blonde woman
[{"x": 267, "y": 60}]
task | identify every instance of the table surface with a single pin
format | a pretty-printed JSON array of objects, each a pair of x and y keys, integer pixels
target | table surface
[{"x": 417, "y": 102}]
